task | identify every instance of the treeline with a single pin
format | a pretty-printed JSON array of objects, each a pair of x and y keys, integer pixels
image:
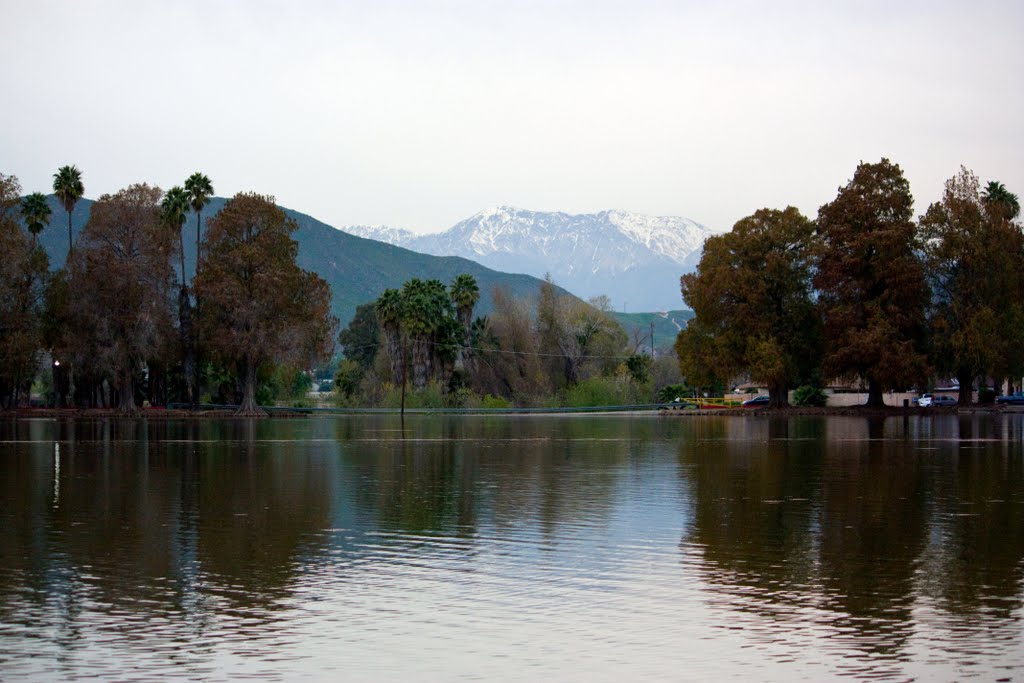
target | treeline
[
  {"x": 119, "y": 324},
  {"x": 863, "y": 293},
  {"x": 423, "y": 346}
]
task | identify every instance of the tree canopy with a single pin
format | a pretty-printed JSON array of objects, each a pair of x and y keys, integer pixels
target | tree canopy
[
  {"x": 753, "y": 304},
  {"x": 123, "y": 262},
  {"x": 974, "y": 263},
  {"x": 871, "y": 284},
  {"x": 258, "y": 306}
]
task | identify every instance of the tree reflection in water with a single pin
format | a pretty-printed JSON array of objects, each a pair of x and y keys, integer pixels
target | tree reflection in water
[{"x": 861, "y": 528}]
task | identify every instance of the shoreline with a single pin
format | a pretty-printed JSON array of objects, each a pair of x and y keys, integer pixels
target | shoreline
[{"x": 292, "y": 413}]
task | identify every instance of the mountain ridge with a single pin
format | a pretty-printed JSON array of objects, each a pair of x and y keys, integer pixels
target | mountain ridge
[
  {"x": 633, "y": 258},
  {"x": 357, "y": 269}
]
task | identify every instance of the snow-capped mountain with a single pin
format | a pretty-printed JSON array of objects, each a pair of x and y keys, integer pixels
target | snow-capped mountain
[{"x": 634, "y": 259}]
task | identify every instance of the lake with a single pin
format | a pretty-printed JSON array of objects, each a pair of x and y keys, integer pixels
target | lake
[{"x": 513, "y": 548}]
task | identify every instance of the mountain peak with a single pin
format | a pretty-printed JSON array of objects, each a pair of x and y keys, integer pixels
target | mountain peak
[{"x": 629, "y": 256}]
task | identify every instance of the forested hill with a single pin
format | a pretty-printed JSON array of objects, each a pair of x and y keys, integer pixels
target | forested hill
[{"x": 357, "y": 269}]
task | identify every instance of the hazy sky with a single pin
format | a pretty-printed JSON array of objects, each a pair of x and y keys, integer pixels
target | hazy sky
[{"x": 419, "y": 114}]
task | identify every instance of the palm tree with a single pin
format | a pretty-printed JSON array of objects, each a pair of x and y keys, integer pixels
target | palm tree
[
  {"x": 425, "y": 304},
  {"x": 996, "y": 194},
  {"x": 465, "y": 293},
  {"x": 199, "y": 191},
  {"x": 389, "y": 314},
  {"x": 36, "y": 212},
  {"x": 67, "y": 185},
  {"x": 174, "y": 207}
]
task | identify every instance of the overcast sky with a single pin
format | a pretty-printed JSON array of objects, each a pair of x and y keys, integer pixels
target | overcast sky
[{"x": 419, "y": 114}]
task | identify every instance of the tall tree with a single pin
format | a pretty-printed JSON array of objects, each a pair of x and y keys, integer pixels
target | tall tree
[
  {"x": 124, "y": 261},
  {"x": 259, "y": 308},
  {"x": 752, "y": 300},
  {"x": 1005, "y": 202},
  {"x": 35, "y": 211},
  {"x": 425, "y": 305},
  {"x": 465, "y": 293},
  {"x": 67, "y": 185},
  {"x": 870, "y": 280},
  {"x": 389, "y": 312},
  {"x": 23, "y": 270},
  {"x": 199, "y": 189},
  {"x": 575, "y": 337},
  {"x": 361, "y": 338},
  {"x": 174, "y": 208},
  {"x": 975, "y": 265}
]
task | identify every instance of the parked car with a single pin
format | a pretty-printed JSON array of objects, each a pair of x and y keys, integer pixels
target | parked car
[
  {"x": 928, "y": 401},
  {"x": 756, "y": 402},
  {"x": 1014, "y": 399}
]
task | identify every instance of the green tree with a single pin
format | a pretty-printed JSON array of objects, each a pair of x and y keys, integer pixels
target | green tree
[
  {"x": 35, "y": 211},
  {"x": 67, "y": 185},
  {"x": 754, "y": 312},
  {"x": 199, "y": 189},
  {"x": 465, "y": 293},
  {"x": 389, "y": 312},
  {"x": 174, "y": 207},
  {"x": 425, "y": 305},
  {"x": 124, "y": 263},
  {"x": 871, "y": 284},
  {"x": 1005, "y": 202},
  {"x": 360, "y": 340},
  {"x": 974, "y": 264},
  {"x": 259, "y": 308}
]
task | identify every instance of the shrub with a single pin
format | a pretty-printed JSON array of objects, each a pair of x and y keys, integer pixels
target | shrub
[
  {"x": 808, "y": 395},
  {"x": 495, "y": 402},
  {"x": 602, "y": 391},
  {"x": 671, "y": 392}
]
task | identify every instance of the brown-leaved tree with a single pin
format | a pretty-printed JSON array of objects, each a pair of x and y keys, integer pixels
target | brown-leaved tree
[
  {"x": 259, "y": 307},
  {"x": 23, "y": 275},
  {"x": 871, "y": 284},
  {"x": 751, "y": 296},
  {"x": 123, "y": 275}
]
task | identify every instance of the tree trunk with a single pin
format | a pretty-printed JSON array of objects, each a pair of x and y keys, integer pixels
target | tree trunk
[
  {"x": 199, "y": 221},
  {"x": 248, "y": 407},
  {"x": 875, "y": 399},
  {"x": 196, "y": 363},
  {"x": 420, "y": 352},
  {"x": 126, "y": 393},
  {"x": 187, "y": 354},
  {"x": 966, "y": 380},
  {"x": 181, "y": 243},
  {"x": 778, "y": 396}
]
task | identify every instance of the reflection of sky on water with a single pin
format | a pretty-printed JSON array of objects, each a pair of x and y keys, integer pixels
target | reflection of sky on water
[{"x": 513, "y": 548}]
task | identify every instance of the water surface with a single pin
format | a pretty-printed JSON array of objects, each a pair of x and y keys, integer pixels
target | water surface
[{"x": 596, "y": 548}]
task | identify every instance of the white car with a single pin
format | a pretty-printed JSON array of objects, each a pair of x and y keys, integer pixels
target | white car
[{"x": 929, "y": 401}]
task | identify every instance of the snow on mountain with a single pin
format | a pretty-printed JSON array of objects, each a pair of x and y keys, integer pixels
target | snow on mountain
[
  {"x": 635, "y": 259},
  {"x": 382, "y": 233}
]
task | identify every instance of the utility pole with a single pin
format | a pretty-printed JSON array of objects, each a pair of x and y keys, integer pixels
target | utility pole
[{"x": 652, "y": 340}]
